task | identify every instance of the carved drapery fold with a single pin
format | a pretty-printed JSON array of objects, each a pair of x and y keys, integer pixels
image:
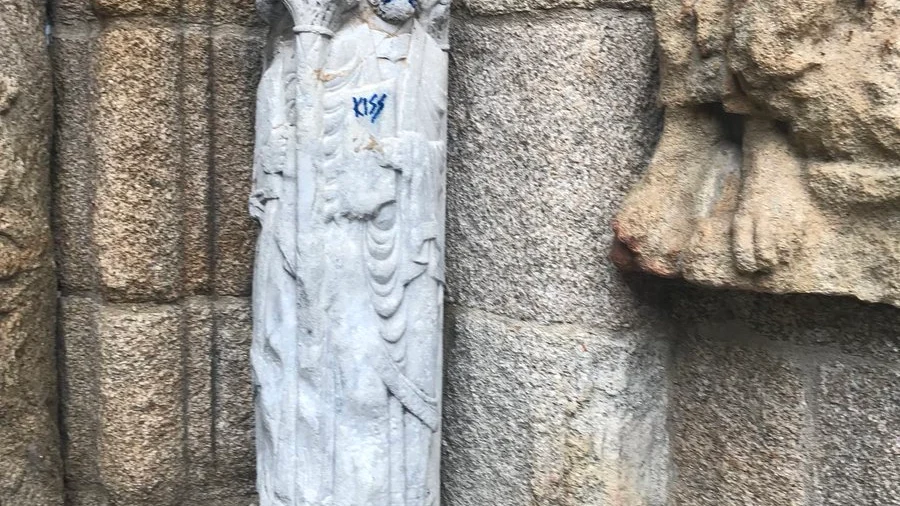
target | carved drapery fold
[{"x": 348, "y": 285}]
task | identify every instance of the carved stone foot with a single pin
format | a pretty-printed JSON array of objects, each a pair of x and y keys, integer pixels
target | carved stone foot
[{"x": 770, "y": 224}]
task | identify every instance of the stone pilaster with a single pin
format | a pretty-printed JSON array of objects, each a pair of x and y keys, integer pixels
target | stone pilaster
[{"x": 30, "y": 467}]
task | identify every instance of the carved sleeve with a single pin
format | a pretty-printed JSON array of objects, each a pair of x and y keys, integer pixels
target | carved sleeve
[{"x": 273, "y": 132}]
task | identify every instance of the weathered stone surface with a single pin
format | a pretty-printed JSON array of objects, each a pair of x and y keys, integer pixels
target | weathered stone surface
[
  {"x": 157, "y": 402},
  {"x": 122, "y": 387},
  {"x": 857, "y": 433},
  {"x": 71, "y": 11},
  {"x": 136, "y": 223},
  {"x": 148, "y": 196},
  {"x": 553, "y": 119},
  {"x": 140, "y": 388},
  {"x": 552, "y": 414},
  {"x": 135, "y": 7},
  {"x": 806, "y": 322},
  {"x": 737, "y": 422},
  {"x": 189, "y": 11},
  {"x": 200, "y": 391},
  {"x": 196, "y": 161},
  {"x": 30, "y": 469},
  {"x": 80, "y": 398},
  {"x": 236, "y": 64},
  {"x": 788, "y": 184},
  {"x": 234, "y": 448},
  {"x": 488, "y": 8},
  {"x": 217, "y": 146},
  {"x": 833, "y": 358},
  {"x": 219, "y": 400},
  {"x": 155, "y": 144},
  {"x": 75, "y": 177}
]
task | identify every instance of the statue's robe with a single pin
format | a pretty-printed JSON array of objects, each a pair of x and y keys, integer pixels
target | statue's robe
[{"x": 349, "y": 274}]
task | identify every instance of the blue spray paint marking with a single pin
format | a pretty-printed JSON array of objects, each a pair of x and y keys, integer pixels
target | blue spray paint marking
[
  {"x": 359, "y": 102},
  {"x": 370, "y": 107},
  {"x": 378, "y": 102}
]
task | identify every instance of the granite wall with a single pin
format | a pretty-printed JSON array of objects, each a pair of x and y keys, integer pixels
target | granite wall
[
  {"x": 555, "y": 387},
  {"x": 153, "y": 149},
  {"x": 555, "y": 368},
  {"x": 567, "y": 383},
  {"x": 30, "y": 470},
  {"x": 787, "y": 400}
]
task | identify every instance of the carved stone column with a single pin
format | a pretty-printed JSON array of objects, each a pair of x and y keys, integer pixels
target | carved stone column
[
  {"x": 30, "y": 469},
  {"x": 348, "y": 288}
]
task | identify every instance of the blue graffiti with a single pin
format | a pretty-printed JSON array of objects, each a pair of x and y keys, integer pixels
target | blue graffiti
[
  {"x": 371, "y": 106},
  {"x": 357, "y": 102},
  {"x": 378, "y": 102}
]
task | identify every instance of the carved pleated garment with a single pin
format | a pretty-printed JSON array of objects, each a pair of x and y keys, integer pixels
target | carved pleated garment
[{"x": 348, "y": 305}]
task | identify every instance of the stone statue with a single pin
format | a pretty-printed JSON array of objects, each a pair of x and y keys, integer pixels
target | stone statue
[
  {"x": 779, "y": 163},
  {"x": 348, "y": 287}
]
